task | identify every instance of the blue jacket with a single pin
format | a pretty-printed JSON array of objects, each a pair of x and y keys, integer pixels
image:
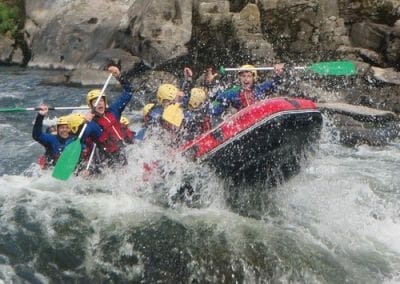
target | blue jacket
[
  {"x": 117, "y": 107},
  {"x": 231, "y": 97},
  {"x": 54, "y": 144},
  {"x": 154, "y": 116}
]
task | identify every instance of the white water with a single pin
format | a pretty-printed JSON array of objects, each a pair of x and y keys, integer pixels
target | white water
[{"x": 339, "y": 215}]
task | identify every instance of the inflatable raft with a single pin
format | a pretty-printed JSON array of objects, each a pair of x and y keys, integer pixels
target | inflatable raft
[{"x": 266, "y": 138}]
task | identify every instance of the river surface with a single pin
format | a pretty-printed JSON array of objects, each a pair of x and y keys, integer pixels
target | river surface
[{"x": 337, "y": 221}]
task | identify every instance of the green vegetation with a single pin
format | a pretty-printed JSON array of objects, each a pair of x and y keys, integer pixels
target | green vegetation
[{"x": 11, "y": 16}]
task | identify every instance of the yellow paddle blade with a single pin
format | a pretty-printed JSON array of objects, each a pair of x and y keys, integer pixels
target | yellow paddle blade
[{"x": 173, "y": 114}]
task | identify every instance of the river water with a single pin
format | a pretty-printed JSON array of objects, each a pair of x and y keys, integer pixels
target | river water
[{"x": 337, "y": 221}]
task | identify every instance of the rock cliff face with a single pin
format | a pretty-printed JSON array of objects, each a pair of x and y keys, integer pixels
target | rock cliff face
[
  {"x": 166, "y": 35},
  {"x": 72, "y": 34}
]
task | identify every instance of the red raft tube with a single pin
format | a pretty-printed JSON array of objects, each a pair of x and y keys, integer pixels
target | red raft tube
[{"x": 264, "y": 138}]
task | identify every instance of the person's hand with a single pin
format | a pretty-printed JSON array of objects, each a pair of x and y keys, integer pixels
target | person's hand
[
  {"x": 114, "y": 70},
  {"x": 279, "y": 68},
  {"x": 89, "y": 116},
  {"x": 44, "y": 109},
  {"x": 210, "y": 75},
  {"x": 187, "y": 72},
  {"x": 85, "y": 173}
]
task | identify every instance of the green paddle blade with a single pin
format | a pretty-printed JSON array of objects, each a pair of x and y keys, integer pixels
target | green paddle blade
[
  {"x": 337, "y": 68},
  {"x": 16, "y": 109},
  {"x": 222, "y": 70},
  {"x": 68, "y": 160}
]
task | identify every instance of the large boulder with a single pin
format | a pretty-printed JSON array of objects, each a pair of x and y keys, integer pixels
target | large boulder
[
  {"x": 70, "y": 33},
  {"x": 379, "y": 11},
  {"x": 225, "y": 35},
  {"x": 160, "y": 29},
  {"x": 370, "y": 35},
  {"x": 303, "y": 28},
  {"x": 253, "y": 45},
  {"x": 6, "y": 48},
  {"x": 361, "y": 125}
]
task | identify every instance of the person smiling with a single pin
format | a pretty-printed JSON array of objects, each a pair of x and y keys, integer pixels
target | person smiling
[{"x": 247, "y": 92}]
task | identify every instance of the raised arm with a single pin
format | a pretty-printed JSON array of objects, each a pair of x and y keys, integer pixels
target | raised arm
[{"x": 37, "y": 130}]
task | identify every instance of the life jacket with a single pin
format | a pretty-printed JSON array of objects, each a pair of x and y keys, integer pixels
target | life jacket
[
  {"x": 47, "y": 160},
  {"x": 129, "y": 134},
  {"x": 246, "y": 98},
  {"x": 112, "y": 137},
  {"x": 206, "y": 124},
  {"x": 87, "y": 149}
]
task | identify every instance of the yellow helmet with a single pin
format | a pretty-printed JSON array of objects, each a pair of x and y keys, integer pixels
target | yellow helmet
[
  {"x": 147, "y": 108},
  {"x": 166, "y": 92},
  {"x": 75, "y": 120},
  {"x": 197, "y": 97},
  {"x": 94, "y": 94},
  {"x": 248, "y": 66},
  {"x": 62, "y": 120},
  {"x": 124, "y": 120}
]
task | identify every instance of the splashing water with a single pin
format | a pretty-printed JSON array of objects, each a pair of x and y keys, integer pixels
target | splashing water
[{"x": 337, "y": 221}]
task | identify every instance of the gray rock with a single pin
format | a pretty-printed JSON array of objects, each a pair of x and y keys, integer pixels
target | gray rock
[
  {"x": 76, "y": 33},
  {"x": 90, "y": 77},
  {"x": 370, "y": 35},
  {"x": 360, "y": 113},
  {"x": 18, "y": 57},
  {"x": 6, "y": 48},
  {"x": 160, "y": 29},
  {"x": 361, "y": 125},
  {"x": 387, "y": 75},
  {"x": 128, "y": 61}
]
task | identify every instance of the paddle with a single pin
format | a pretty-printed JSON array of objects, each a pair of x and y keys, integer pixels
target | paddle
[
  {"x": 91, "y": 156},
  {"x": 173, "y": 114},
  {"x": 335, "y": 68},
  {"x": 19, "y": 109},
  {"x": 70, "y": 156}
]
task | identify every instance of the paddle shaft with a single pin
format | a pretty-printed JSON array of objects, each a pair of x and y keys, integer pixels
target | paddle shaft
[
  {"x": 261, "y": 68},
  {"x": 91, "y": 156},
  {"x": 336, "y": 68},
  {"x": 38, "y": 108},
  {"x": 95, "y": 103},
  {"x": 93, "y": 109}
]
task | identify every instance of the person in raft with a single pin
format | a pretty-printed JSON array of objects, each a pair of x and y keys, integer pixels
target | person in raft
[
  {"x": 248, "y": 92},
  {"x": 111, "y": 143},
  {"x": 55, "y": 143}
]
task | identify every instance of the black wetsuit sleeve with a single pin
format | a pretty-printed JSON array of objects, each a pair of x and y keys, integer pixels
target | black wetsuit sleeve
[
  {"x": 37, "y": 127},
  {"x": 126, "y": 85}
]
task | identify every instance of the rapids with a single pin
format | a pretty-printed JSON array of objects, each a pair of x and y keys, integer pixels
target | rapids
[{"x": 337, "y": 221}]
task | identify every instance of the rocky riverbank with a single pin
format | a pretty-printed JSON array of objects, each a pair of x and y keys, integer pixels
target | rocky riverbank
[{"x": 155, "y": 39}]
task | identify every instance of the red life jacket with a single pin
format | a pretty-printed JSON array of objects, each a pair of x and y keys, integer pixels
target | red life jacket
[
  {"x": 112, "y": 136},
  {"x": 246, "y": 98},
  {"x": 129, "y": 134},
  {"x": 206, "y": 125},
  {"x": 42, "y": 162},
  {"x": 45, "y": 161},
  {"x": 87, "y": 150}
]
